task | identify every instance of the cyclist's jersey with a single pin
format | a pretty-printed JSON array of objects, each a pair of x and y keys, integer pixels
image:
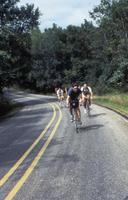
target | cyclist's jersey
[
  {"x": 86, "y": 91},
  {"x": 74, "y": 95},
  {"x": 90, "y": 89}
]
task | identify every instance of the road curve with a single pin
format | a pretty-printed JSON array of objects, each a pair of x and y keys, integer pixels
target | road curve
[{"x": 89, "y": 165}]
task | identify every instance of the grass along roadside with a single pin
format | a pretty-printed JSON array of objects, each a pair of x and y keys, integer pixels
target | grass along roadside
[{"x": 117, "y": 101}]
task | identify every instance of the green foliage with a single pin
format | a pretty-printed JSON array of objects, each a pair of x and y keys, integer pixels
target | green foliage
[
  {"x": 87, "y": 53},
  {"x": 120, "y": 76},
  {"x": 16, "y": 24}
]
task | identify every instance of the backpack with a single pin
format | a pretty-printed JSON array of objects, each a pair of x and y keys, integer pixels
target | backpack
[{"x": 86, "y": 91}]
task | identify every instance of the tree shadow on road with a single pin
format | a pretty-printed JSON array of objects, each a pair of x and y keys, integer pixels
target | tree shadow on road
[
  {"x": 32, "y": 102},
  {"x": 29, "y": 98}
]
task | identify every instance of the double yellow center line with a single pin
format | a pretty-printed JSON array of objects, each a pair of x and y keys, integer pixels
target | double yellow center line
[{"x": 29, "y": 170}]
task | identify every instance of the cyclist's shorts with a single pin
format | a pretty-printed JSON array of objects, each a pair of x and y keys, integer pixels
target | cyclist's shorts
[
  {"x": 75, "y": 103},
  {"x": 61, "y": 97}
]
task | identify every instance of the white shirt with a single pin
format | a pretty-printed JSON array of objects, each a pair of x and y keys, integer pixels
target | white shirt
[
  {"x": 90, "y": 89},
  {"x": 60, "y": 92}
]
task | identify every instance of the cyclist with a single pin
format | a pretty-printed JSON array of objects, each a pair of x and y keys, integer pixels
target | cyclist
[
  {"x": 73, "y": 102},
  {"x": 86, "y": 95},
  {"x": 60, "y": 94}
]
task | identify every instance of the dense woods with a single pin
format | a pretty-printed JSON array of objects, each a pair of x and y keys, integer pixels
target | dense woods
[
  {"x": 97, "y": 54},
  {"x": 16, "y": 24}
]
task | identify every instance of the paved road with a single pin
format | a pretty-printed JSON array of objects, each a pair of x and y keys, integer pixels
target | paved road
[{"x": 90, "y": 165}]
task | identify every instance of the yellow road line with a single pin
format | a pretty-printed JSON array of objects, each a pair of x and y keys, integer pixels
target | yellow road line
[
  {"x": 18, "y": 163},
  {"x": 27, "y": 173}
]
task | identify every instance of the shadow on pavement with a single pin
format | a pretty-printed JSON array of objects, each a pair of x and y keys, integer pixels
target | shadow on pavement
[
  {"x": 91, "y": 127},
  {"x": 31, "y": 102},
  {"x": 20, "y": 132},
  {"x": 126, "y": 198},
  {"x": 28, "y": 98},
  {"x": 97, "y": 115},
  {"x": 65, "y": 158}
]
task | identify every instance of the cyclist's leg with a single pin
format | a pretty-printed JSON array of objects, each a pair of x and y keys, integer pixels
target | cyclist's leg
[
  {"x": 61, "y": 101},
  {"x": 84, "y": 100},
  {"x": 75, "y": 114},
  {"x": 88, "y": 106},
  {"x": 89, "y": 99},
  {"x": 80, "y": 101},
  {"x": 58, "y": 98},
  {"x": 78, "y": 114},
  {"x": 85, "y": 103}
]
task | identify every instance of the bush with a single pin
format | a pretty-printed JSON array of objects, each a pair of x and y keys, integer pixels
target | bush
[{"x": 101, "y": 89}]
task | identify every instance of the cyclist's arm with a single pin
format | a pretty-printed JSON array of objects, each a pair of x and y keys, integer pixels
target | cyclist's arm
[
  {"x": 91, "y": 93},
  {"x": 62, "y": 93},
  {"x": 57, "y": 93},
  {"x": 80, "y": 96},
  {"x": 68, "y": 99},
  {"x": 69, "y": 96}
]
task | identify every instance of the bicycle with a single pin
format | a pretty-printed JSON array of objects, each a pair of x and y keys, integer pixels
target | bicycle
[{"x": 75, "y": 115}]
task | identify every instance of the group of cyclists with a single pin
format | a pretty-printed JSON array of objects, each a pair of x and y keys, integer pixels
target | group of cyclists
[{"x": 75, "y": 97}]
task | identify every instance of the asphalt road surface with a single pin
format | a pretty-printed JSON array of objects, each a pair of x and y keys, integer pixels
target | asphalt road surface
[{"x": 43, "y": 158}]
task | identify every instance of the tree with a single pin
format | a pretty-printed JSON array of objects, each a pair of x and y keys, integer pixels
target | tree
[{"x": 16, "y": 24}]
